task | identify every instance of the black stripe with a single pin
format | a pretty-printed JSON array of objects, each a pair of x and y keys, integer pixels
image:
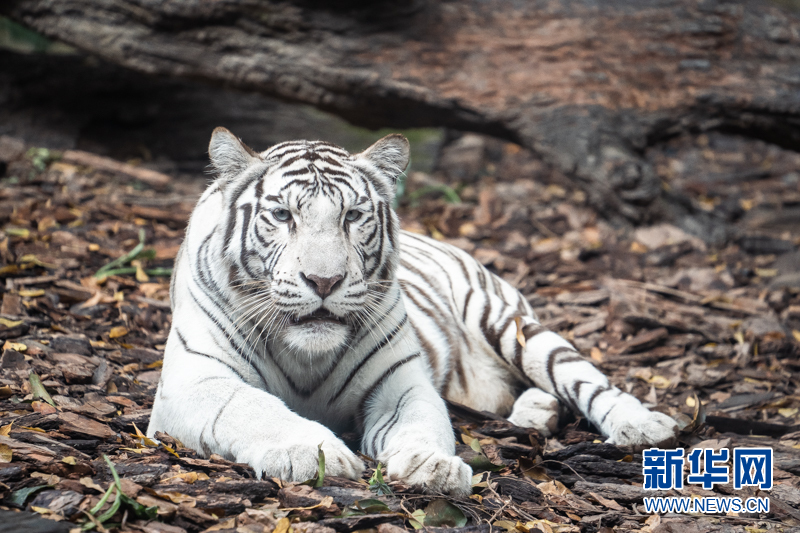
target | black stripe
[
  {"x": 386, "y": 340},
  {"x": 377, "y": 383},
  {"x": 430, "y": 353},
  {"x": 389, "y": 422},
  {"x": 494, "y": 334},
  {"x": 551, "y": 359},
  {"x": 599, "y": 390},
  {"x": 182, "y": 340},
  {"x": 409, "y": 474},
  {"x": 466, "y": 305},
  {"x": 219, "y": 413},
  {"x": 297, "y": 172},
  {"x": 231, "y": 342},
  {"x": 576, "y": 392},
  {"x": 531, "y": 330}
]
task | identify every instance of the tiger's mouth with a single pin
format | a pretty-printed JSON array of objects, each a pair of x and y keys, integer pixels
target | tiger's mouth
[{"x": 320, "y": 315}]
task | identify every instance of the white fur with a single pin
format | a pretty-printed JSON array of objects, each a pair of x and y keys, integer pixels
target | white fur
[
  {"x": 247, "y": 377},
  {"x": 536, "y": 409}
]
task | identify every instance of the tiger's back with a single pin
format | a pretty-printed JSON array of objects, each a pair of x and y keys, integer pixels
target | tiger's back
[{"x": 452, "y": 304}]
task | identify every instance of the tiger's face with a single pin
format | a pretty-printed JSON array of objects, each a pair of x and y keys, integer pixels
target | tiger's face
[{"x": 310, "y": 240}]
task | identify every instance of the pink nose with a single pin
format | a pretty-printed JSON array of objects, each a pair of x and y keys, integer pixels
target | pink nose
[{"x": 322, "y": 286}]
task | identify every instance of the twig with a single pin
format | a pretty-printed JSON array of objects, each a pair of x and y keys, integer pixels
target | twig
[{"x": 145, "y": 175}]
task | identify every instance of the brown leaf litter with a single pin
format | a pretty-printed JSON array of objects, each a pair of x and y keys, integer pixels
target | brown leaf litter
[{"x": 709, "y": 335}]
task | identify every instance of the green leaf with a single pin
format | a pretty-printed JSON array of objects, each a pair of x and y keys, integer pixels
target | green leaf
[
  {"x": 417, "y": 519},
  {"x": 320, "y": 467},
  {"x": 125, "y": 259},
  {"x": 117, "y": 482},
  {"x": 132, "y": 270},
  {"x": 113, "y": 509},
  {"x": 147, "y": 254},
  {"x": 102, "y": 502},
  {"x": 377, "y": 484},
  {"x": 476, "y": 445},
  {"x": 351, "y": 511},
  {"x": 482, "y": 463},
  {"x": 148, "y": 513},
  {"x": 19, "y": 497},
  {"x": 372, "y": 506},
  {"x": 367, "y": 506},
  {"x": 440, "y": 513},
  {"x": 318, "y": 480},
  {"x": 38, "y": 389}
]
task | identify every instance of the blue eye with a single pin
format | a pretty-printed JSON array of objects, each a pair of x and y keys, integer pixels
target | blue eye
[
  {"x": 281, "y": 215},
  {"x": 352, "y": 215}
]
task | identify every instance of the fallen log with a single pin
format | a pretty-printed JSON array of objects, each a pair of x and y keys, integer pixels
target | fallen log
[{"x": 589, "y": 88}]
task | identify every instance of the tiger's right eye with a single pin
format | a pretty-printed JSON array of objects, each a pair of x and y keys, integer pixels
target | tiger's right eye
[{"x": 281, "y": 215}]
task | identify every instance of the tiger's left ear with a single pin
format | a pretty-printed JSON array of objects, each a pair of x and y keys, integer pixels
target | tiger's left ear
[{"x": 389, "y": 154}]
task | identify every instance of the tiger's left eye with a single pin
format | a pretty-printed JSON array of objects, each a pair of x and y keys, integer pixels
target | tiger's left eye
[{"x": 352, "y": 215}]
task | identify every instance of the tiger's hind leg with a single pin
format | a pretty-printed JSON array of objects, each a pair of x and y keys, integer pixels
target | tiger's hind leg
[
  {"x": 550, "y": 363},
  {"x": 538, "y": 410},
  {"x": 559, "y": 370}
]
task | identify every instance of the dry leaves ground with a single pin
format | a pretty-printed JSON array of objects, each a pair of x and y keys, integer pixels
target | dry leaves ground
[{"x": 709, "y": 335}]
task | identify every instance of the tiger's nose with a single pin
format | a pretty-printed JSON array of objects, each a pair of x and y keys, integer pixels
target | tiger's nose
[{"x": 322, "y": 286}]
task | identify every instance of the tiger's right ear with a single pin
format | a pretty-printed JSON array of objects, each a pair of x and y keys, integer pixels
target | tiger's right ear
[{"x": 229, "y": 155}]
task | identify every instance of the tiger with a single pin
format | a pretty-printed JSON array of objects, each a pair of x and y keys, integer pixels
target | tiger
[{"x": 302, "y": 312}]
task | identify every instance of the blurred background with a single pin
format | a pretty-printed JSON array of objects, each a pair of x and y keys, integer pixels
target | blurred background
[{"x": 631, "y": 166}]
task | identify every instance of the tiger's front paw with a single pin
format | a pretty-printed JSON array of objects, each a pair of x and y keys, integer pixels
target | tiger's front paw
[
  {"x": 432, "y": 471},
  {"x": 641, "y": 428},
  {"x": 299, "y": 461}
]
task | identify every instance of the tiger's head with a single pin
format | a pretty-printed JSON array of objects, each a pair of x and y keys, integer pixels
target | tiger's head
[{"x": 310, "y": 241}]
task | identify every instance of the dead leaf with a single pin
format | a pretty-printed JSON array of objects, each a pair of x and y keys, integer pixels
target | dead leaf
[
  {"x": 10, "y": 323},
  {"x": 659, "y": 382},
  {"x": 520, "y": 333},
  {"x": 118, "y": 331},
  {"x": 597, "y": 355},
  {"x": 43, "y": 408},
  {"x": 227, "y": 524},
  {"x": 89, "y": 483},
  {"x": 18, "y": 346},
  {"x": 638, "y": 248},
  {"x": 177, "y": 497},
  {"x": 31, "y": 293},
  {"x": 49, "y": 479},
  {"x": 554, "y": 487},
  {"x": 189, "y": 477},
  {"x": 533, "y": 471},
  {"x": 5, "y": 453},
  {"x": 611, "y": 504},
  {"x": 141, "y": 275},
  {"x": 506, "y": 524},
  {"x": 283, "y": 525}
]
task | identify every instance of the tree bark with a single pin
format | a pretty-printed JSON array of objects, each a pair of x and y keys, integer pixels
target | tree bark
[{"x": 590, "y": 87}]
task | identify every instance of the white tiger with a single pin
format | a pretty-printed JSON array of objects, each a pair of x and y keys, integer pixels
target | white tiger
[{"x": 300, "y": 310}]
